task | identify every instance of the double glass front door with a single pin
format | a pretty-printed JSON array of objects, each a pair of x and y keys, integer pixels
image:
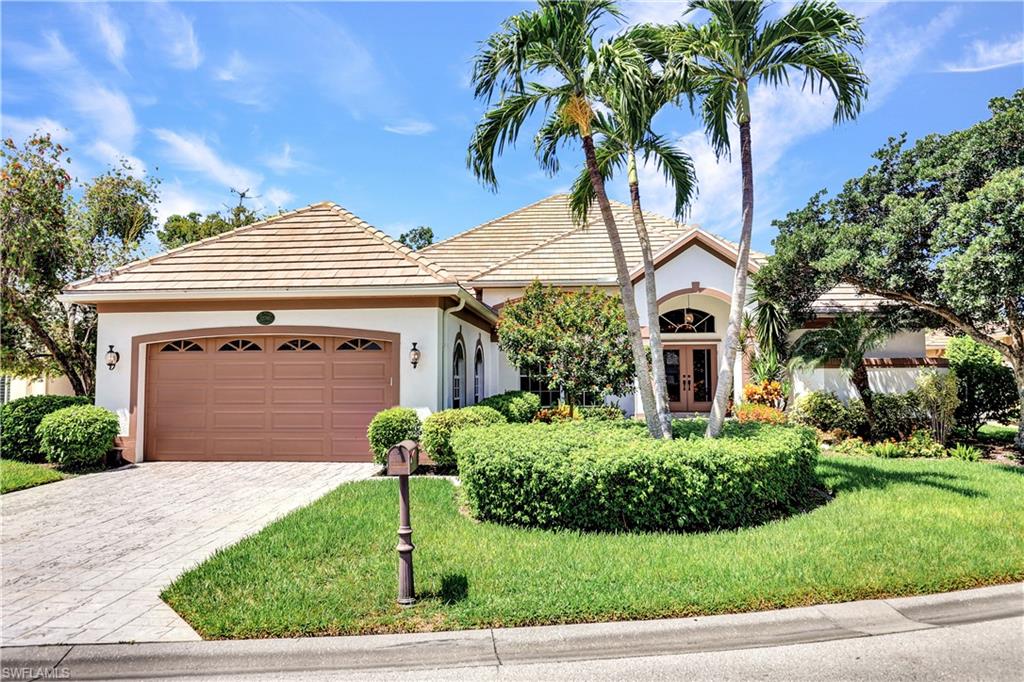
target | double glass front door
[{"x": 690, "y": 373}]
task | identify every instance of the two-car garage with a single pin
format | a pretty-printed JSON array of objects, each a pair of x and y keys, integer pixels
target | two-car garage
[{"x": 292, "y": 396}]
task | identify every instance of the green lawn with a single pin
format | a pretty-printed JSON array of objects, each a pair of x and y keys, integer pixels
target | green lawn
[
  {"x": 896, "y": 527},
  {"x": 997, "y": 434},
  {"x": 16, "y": 475}
]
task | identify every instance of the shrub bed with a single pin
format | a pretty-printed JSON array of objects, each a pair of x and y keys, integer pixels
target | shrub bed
[
  {"x": 78, "y": 437},
  {"x": 518, "y": 407},
  {"x": 390, "y": 427},
  {"x": 20, "y": 418},
  {"x": 439, "y": 428},
  {"x": 610, "y": 476}
]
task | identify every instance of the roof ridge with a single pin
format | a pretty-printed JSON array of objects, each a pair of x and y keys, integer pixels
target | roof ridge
[
  {"x": 535, "y": 247},
  {"x": 186, "y": 247},
  {"x": 493, "y": 220},
  {"x": 432, "y": 268}
]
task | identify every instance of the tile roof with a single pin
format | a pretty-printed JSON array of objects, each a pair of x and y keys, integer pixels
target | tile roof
[
  {"x": 845, "y": 298},
  {"x": 542, "y": 241},
  {"x": 320, "y": 246}
]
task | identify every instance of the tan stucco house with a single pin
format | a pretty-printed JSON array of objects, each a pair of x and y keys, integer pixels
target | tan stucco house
[{"x": 280, "y": 340}]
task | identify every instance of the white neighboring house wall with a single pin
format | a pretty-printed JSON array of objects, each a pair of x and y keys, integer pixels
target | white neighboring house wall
[
  {"x": 881, "y": 379},
  {"x": 418, "y": 387},
  {"x": 46, "y": 385}
]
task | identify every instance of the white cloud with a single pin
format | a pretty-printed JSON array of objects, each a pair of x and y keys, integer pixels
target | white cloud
[
  {"x": 283, "y": 162},
  {"x": 235, "y": 68},
  {"x": 984, "y": 55},
  {"x": 110, "y": 32},
  {"x": 189, "y": 151},
  {"x": 53, "y": 56},
  {"x": 654, "y": 11},
  {"x": 175, "y": 199},
  {"x": 410, "y": 127},
  {"x": 177, "y": 36},
  {"x": 782, "y": 118},
  {"x": 277, "y": 198},
  {"x": 108, "y": 110},
  {"x": 22, "y": 128}
]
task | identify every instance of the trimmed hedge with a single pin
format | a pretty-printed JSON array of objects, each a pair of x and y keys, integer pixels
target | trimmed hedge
[
  {"x": 78, "y": 437},
  {"x": 20, "y": 418},
  {"x": 390, "y": 427},
  {"x": 518, "y": 407},
  {"x": 611, "y": 476},
  {"x": 439, "y": 427}
]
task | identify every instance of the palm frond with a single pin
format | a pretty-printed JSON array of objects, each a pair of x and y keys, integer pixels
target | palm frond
[
  {"x": 677, "y": 168},
  {"x": 611, "y": 157}
]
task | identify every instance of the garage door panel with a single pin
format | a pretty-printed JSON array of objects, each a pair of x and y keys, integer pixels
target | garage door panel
[
  {"x": 226, "y": 419},
  {"x": 300, "y": 370},
  {"x": 298, "y": 420},
  {"x": 297, "y": 398},
  {"x": 372, "y": 395},
  {"x": 237, "y": 447},
  {"x": 298, "y": 395},
  {"x": 169, "y": 395},
  {"x": 239, "y": 370},
  {"x": 346, "y": 371}
]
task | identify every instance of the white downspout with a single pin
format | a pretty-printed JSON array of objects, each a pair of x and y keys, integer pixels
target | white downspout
[{"x": 442, "y": 399}]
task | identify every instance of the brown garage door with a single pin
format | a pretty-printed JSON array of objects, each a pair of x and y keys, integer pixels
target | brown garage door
[{"x": 266, "y": 397}]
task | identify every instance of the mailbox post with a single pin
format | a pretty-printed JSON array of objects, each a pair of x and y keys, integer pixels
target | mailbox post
[{"x": 402, "y": 461}]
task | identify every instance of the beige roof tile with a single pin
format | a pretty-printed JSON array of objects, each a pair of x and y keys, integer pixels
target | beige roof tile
[{"x": 322, "y": 245}]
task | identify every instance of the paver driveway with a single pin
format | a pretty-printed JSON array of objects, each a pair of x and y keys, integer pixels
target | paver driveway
[{"x": 85, "y": 559}]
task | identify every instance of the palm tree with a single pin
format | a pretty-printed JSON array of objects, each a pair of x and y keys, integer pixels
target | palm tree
[
  {"x": 725, "y": 56},
  {"x": 624, "y": 134},
  {"x": 848, "y": 339},
  {"x": 557, "y": 40}
]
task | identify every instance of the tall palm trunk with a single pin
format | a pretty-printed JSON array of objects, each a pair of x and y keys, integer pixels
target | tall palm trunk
[
  {"x": 650, "y": 288},
  {"x": 636, "y": 341},
  {"x": 739, "y": 288},
  {"x": 860, "y": 381}
]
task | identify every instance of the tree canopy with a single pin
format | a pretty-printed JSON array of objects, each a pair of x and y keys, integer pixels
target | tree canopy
[
  {"x": 179, "y": 230},
  {"x": 417, "y": 238},
  {"x": 936, "y": 227},
  {"x": 53, "y": 233},
  {"x": 576, "y": 339}
]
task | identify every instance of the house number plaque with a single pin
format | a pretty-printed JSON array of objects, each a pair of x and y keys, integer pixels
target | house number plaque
[{"x": 265, "y": 317}]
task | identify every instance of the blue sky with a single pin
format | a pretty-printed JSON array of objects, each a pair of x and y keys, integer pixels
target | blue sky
[{"x": 368, "y": 104}]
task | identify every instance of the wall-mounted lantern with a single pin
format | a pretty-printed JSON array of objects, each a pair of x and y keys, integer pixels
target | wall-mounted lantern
[
  {"x": 112, "y": 357},
  {"x": 414, "y": 355}
]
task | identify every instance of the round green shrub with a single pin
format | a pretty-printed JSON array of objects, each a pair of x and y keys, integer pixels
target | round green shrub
[
  {"x": 518, "y": 407},
  {"x": 602, "y": 413},
  {"x": 77, "y": 437},
  {"x": 897, "y": 415},
  {"x": 20, "y": 418},
  {"x": 390, "y": 427},
  {"x": 439, "y": 427},
  {"x": 595, "y": 476}
]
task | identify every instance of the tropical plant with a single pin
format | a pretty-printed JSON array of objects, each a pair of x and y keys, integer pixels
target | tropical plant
[
  {"x": 727, "y": 54},
  {"x": 52, "y": 233},
  {"x": 556, "y": 42},
  {"x": 967, "y": 453},
  {"x": 575, "y": 339},
  {"x": 622, "y": 135},
  {"x": 847, "y": 339},
  {"x": 937, "y": 226},
  {"x": 985, "y": 385},
  {"x": 937, "y": 394}
]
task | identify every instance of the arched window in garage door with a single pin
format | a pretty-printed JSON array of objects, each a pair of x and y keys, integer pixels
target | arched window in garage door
[
  {"x": 359, "y": 344},
  {"x": 183, "y": 345},
  {"x": 300, "y": 345}
]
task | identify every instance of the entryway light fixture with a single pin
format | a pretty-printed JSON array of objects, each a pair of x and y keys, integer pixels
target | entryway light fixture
[
  {"x": 112, "y": 357},
  {"x": 414, "y": 355}
]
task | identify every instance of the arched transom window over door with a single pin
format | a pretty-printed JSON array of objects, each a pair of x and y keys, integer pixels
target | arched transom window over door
[
  {"x": 478, "y": 374},
  {"x": 686, "y": 321},
  {"x": 458, "y": 373}
]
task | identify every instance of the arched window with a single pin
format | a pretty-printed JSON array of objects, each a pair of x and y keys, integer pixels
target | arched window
[
  {"x": 240, "y": 345},
  {"x": 478, "y": 374},
  {"x": 686, "y": 321},
  {"x": 458, "y": 373},
  {"x": 359, "y": 344},
  {"x": 182, "y": 346},
  {"x": 299, "y": 345}
]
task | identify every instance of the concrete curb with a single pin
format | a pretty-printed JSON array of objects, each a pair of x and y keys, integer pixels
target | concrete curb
[{"x": 515, "y": 646}]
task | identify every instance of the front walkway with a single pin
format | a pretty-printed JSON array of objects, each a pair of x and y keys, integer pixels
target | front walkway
[{"x": 85, "y": 559}]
